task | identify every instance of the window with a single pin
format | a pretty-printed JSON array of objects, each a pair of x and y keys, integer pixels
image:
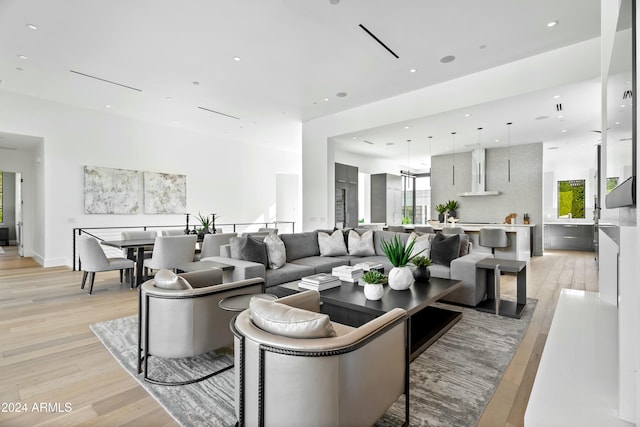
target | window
[{"x": 571, "y": 198}]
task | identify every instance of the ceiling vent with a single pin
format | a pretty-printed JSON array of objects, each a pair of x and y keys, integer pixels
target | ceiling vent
[
  {"x": 106, "y": 81},
  {"x": 368, "y": 142},
  {"x": 628, "y": 94},
  {"x": 218, "y": 112},
  {"x": 558, "y": 107}
]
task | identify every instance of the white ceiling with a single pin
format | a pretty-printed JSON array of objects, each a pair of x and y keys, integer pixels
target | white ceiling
[{"x": 294, "y": 54}]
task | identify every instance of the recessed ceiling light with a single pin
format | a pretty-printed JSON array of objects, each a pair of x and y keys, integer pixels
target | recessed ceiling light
[
  {"x": 467, "y": 115},
  {"x": 236, "y": 58},
  {"x": 341, "y": 94},
  {"x": 169, "y": 98},
  {"x": 563, "y": 130},
  {"x": 616, "y": 122},
  {"x": 447, "y": 59},
  {"x": 354, "y": 138},
  {"x": 497, "y": 140},
  {"x": 326, "y": 99},
  {"x": 622, "y": 106},
  {"x": 552, "y": 24},
  {"x": 413, "y": 70},
  {"x": 32, "y": 27},
  {"x": 176, "y": 122},
  {"x": 406, "y": 127},
  {"x": 556, "y": 96},
  {"x": 107, "y": 105},
  {"x": 23, "y": 57},
  {"x": 561, "y": 117}
]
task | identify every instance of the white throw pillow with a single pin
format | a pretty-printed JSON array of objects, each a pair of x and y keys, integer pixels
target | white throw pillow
[
  {"x": 281, "y": 319},
  {"x": 361, "y": 245},
  {"x": 276, "y": 252},
  {"x": 332, "y": 245},
  {"x": 422, "y": 242}
]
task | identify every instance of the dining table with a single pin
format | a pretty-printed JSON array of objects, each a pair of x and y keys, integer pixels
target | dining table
[{"x": 131, "y": 246}]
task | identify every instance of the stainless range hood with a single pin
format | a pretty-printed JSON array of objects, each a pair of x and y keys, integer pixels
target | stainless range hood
[{"x": 478, "y": 175}]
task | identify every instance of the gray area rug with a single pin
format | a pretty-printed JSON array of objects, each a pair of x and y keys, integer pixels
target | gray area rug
[{"x": 451, "y": 382}]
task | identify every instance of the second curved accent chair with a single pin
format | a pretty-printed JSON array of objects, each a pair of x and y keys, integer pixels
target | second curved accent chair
[
  {"x": 186, "y": 321},
  {"x": 292, "y": 373}
]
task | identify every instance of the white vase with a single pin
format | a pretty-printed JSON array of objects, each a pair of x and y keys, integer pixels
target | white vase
[
  {"x": 400, "y": 278},
  {"x": 373, "y": 291}
]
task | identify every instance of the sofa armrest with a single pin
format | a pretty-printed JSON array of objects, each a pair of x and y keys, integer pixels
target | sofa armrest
[
  {"x": 474, "y": 286},
  {"x": 242, "y": 270}
]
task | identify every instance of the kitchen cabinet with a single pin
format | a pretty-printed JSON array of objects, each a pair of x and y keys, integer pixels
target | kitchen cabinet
[
  {"x": 576, "y": 237},
  {"x": 346, "y": 195},
  {"x": 386, "y": 199}
]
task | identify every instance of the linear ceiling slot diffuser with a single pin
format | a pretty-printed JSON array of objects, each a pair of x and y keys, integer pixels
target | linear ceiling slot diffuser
[
  {"x": 218, "y": 112},
  {"x": 378, "y": 40},
  {"x": 105, "y": 80}
]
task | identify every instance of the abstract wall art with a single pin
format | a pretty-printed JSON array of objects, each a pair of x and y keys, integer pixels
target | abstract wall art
[
  {"x": 165, "y": 193},
  {"x": 111, "y": 191}
]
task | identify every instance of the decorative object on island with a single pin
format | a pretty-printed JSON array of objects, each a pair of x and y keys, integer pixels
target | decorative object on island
[
  {"x": 452, "y": 207},
  {"x": 525, "y": 219},
  {"x": 441, "y": 208},
  {"x": 373, "y": 284},
  {"x": 511, "y": 218},
  {"x": 400, "y": 276},
  {"x": 421, "y": 273}
]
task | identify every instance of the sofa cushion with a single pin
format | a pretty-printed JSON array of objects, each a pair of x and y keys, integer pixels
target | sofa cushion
[
  {"x": 464, "y": 244},
  {"x": 321, "y": 264},
  {"x": 287, "y": 273},
  {"x": 361, "y": 244},
  {"x": 440, "y": 271},
  {"x": 380, "y": 235},
  {"x": 300, "y": 245},
  {"x": 423, "y": 243},
  {"x": 293, "y": 322},
  {"x": 332, "y": 245},
  {"x": 445, "y": 248},
  {"x": 167, "y": 279},
  {"x": 276, "y": 251}
]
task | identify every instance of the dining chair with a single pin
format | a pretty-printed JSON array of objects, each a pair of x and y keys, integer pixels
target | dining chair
[
  {"x": 493, "y": 238},
  {"x": 93, "y": 260},
  {"x": 172, "y": 232},
  {"x": 171, "y": 251},
  {"x": 267, "y": 230},
  {"x": 139, "y": 234},
  {"x": 212, "y": 242}
]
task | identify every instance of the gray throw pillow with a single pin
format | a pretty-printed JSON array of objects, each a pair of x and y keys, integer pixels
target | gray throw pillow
[
  {"x": 235, "y": 244},
  {"x": 332, "y": 245},
  {"x": 255, "y": 251},
  {"x": 445, "y": 248},
  {"x": 361, "y": 244},
  {"x": 281, "y": 319},
  {"x": 464, "y": 244},
  {"x": 276, "y": 252},
  {"x": 167, "y": 279},
  {"x": 423, "y": 243}
]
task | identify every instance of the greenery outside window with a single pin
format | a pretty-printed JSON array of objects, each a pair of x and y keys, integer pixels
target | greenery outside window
[{"x": 571, "y": 198}]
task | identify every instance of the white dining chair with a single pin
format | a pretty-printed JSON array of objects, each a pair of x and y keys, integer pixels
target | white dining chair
[
  {"x": 170, "y": 252},
  {"x": 212, "y": 242},
  {"x": 93, "y": 260}
]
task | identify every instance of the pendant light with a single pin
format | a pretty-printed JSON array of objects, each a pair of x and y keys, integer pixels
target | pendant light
[
  {"x": 509, "y": 152},
  {"x": 453, "y": 160},
  {"x": 479, "y": 165},
  {"x": 430, "y": 138}
]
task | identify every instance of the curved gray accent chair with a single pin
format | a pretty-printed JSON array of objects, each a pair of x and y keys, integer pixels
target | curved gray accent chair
[
  {"x": 348, "y": 379},
  {"x": 93, "y": 260},
  {"x": 493, "y": 238},
  {"x": 171, "y": 252},
  {"x": 186, "y": 321}
]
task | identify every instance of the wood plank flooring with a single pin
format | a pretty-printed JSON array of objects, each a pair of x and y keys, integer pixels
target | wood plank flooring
[{"x": 48, "y": 354}]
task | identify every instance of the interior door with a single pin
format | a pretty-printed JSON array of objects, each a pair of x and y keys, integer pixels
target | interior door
[{"x": 19, "y": 231}]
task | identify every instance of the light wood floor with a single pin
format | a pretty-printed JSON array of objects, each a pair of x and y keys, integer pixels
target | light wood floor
[{"x": 49, "y": 355}]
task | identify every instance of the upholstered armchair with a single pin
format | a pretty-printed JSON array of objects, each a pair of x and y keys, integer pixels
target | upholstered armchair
[
  {"x": 295, "y": 367},
  {"x": 179, "y": 316}
]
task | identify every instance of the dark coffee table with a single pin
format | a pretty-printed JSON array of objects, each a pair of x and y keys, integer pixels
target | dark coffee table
[{"x": 347, "y": 305}]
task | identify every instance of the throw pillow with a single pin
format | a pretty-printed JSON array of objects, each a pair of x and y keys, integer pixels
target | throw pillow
[
  {"x": 276, "y": 252},
  {"x": 332, "y": 245},
  {"x": 445, "y": 248},
  {"x": 255, "y": 251},
  {"x": 423, "y": 243},
  {"x": 167, "y": 279},
  {"x": 361, "y": 245},
  {"x": 281, "y": 319},
  {"x": 464, "y": 244},
  {"x": 235, "y": 244}
]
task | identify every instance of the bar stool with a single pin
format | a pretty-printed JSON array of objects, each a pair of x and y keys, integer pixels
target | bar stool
[{"x": 493, "y": 238}]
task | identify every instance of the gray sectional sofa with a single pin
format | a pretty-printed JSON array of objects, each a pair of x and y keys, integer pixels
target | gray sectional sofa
[{"x": 303, "y": 259}]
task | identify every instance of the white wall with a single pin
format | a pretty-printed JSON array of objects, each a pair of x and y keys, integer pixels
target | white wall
[{"x": 236, "y": 180}]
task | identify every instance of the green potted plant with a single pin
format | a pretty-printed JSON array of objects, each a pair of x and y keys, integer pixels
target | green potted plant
[
  {"x": 452, "y": 207},
  {"x": 205, "y": 224},
  {"x": 373, "y": 284},
  {"x": 399, "y": 255},
  {"x": 441, "y": 208},
  {"x": 421, "y": 273}
]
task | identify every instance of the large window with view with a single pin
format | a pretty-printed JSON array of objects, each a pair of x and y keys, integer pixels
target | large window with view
[{"x": 416, "y": 198}]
